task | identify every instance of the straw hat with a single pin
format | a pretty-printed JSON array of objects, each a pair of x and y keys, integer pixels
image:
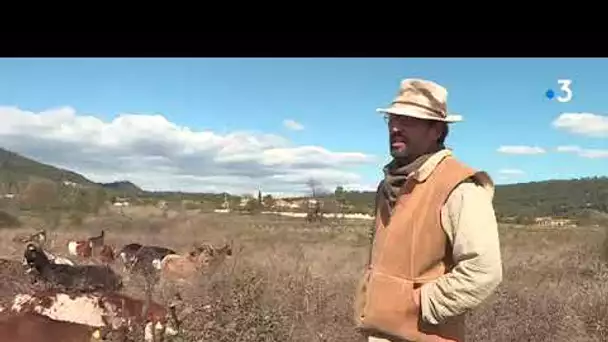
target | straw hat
[{"x": 421, "y": 99}]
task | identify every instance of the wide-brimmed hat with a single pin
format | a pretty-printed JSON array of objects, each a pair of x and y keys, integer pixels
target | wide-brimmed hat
[{"x": 421, "y": 99}]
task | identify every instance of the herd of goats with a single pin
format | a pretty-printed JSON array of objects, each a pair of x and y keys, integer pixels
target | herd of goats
[{"x": 59, "y": 300}]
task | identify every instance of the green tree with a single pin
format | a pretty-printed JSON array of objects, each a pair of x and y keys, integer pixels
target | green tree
[
  {"x": 340, "y": 196},
  {"x": 268, "y": 201}
]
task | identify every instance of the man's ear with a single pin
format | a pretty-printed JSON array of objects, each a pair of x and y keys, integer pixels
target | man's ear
[{"x": 439, "y": 130}]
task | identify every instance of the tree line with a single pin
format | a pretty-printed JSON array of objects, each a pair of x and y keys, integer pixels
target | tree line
[{"x": 576, "y": 198}]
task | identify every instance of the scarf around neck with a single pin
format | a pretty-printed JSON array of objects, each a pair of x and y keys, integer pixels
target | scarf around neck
[{"x": 395, "y": 175}]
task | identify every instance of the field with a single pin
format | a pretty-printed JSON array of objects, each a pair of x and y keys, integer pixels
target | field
[{"x": 292, "y": 281}]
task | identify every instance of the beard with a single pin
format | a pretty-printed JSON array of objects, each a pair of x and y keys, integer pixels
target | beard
[
  {"x": 399, "y": 153},
  {"x": 399, "y": 147}
]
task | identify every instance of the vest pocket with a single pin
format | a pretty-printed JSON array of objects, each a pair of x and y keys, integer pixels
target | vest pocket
[{"x": 388, "y": 306}]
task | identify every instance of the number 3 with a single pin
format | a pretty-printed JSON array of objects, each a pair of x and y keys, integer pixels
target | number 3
[{"x": 565, "y": 87}]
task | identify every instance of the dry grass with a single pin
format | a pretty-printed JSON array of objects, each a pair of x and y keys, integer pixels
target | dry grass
[{"x": 289, "y": 281}]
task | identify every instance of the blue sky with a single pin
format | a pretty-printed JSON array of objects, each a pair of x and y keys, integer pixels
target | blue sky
[{"x": 502, "y": 101}]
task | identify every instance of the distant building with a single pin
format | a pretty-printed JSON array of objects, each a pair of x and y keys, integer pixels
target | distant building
[
  {"x": 72, "y": 184},
  {"x": 548, "y": 221},
  {"x": 121, "y": 202},
  {"x": 284, "y": 204}
]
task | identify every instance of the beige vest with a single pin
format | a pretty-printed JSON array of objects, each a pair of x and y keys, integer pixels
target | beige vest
[{"x": 411, "y": 250}]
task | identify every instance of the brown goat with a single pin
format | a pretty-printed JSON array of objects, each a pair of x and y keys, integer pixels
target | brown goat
[
  {"x": 201, "y": 258},
  {"x": 111, "y": 310},
  {"x": 107, "y": 255},
  {"x": 31, "y": 327},
  {"x": 97, "y": 241}
]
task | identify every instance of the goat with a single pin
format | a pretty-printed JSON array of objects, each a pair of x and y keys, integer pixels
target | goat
[
  {"x": 53, "y": 259},
  {"x": 56, "y": 259},
  {"x": 80, "y": 277},
  {"x": 97, "y": 241},
  {"x": 199, "y": 259},
  {"x": 80, "y": 248},
  {"x": 106, "y": 254},
  {"x": 160, "y": 251},
  {"x": 110, "y": 310},
  {"x": 147, "y": 260},
  {"x": 32, "y": 327},
  {"x": 127, "y": 253},
  {"x": 84, "y": 248}
]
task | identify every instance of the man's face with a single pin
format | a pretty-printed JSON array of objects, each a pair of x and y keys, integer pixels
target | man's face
[{"x": 411, "y": 137}]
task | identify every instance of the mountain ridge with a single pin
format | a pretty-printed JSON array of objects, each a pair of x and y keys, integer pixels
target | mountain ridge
[{"x": 15, "y": 168}]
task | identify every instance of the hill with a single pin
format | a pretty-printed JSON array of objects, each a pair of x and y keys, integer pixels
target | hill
[
  {"x": 553, "y": 197},
  {"x": 573, "y": 197},
  {"x": 15, "y": 168},
  {"x": 125, "y": 187}
]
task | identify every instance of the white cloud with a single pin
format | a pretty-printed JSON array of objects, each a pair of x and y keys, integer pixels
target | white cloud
[
  {"x": 293, "y": 125},
  {"x": 588, "y": 124},
  {"x": 568, "y": 148},
  {"x": 521, "y": 149},
  {"x": 160, "y": 155},
  {"x": 583, "y": 152},
  {"x": 594, "y": 153},
  {"x": 511, "y": 172}
]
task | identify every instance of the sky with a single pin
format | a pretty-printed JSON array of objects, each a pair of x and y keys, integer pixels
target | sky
[{"x": 240, "y": 125}]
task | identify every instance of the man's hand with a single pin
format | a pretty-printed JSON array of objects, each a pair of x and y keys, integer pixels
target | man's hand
[{"x": 427, "y": 337}]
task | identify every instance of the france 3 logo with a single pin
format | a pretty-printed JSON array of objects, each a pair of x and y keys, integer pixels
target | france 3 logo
[{"x": 563, "y": 94}]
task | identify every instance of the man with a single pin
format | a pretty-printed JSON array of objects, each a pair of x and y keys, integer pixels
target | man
[{"x": 435, "y": 248}]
